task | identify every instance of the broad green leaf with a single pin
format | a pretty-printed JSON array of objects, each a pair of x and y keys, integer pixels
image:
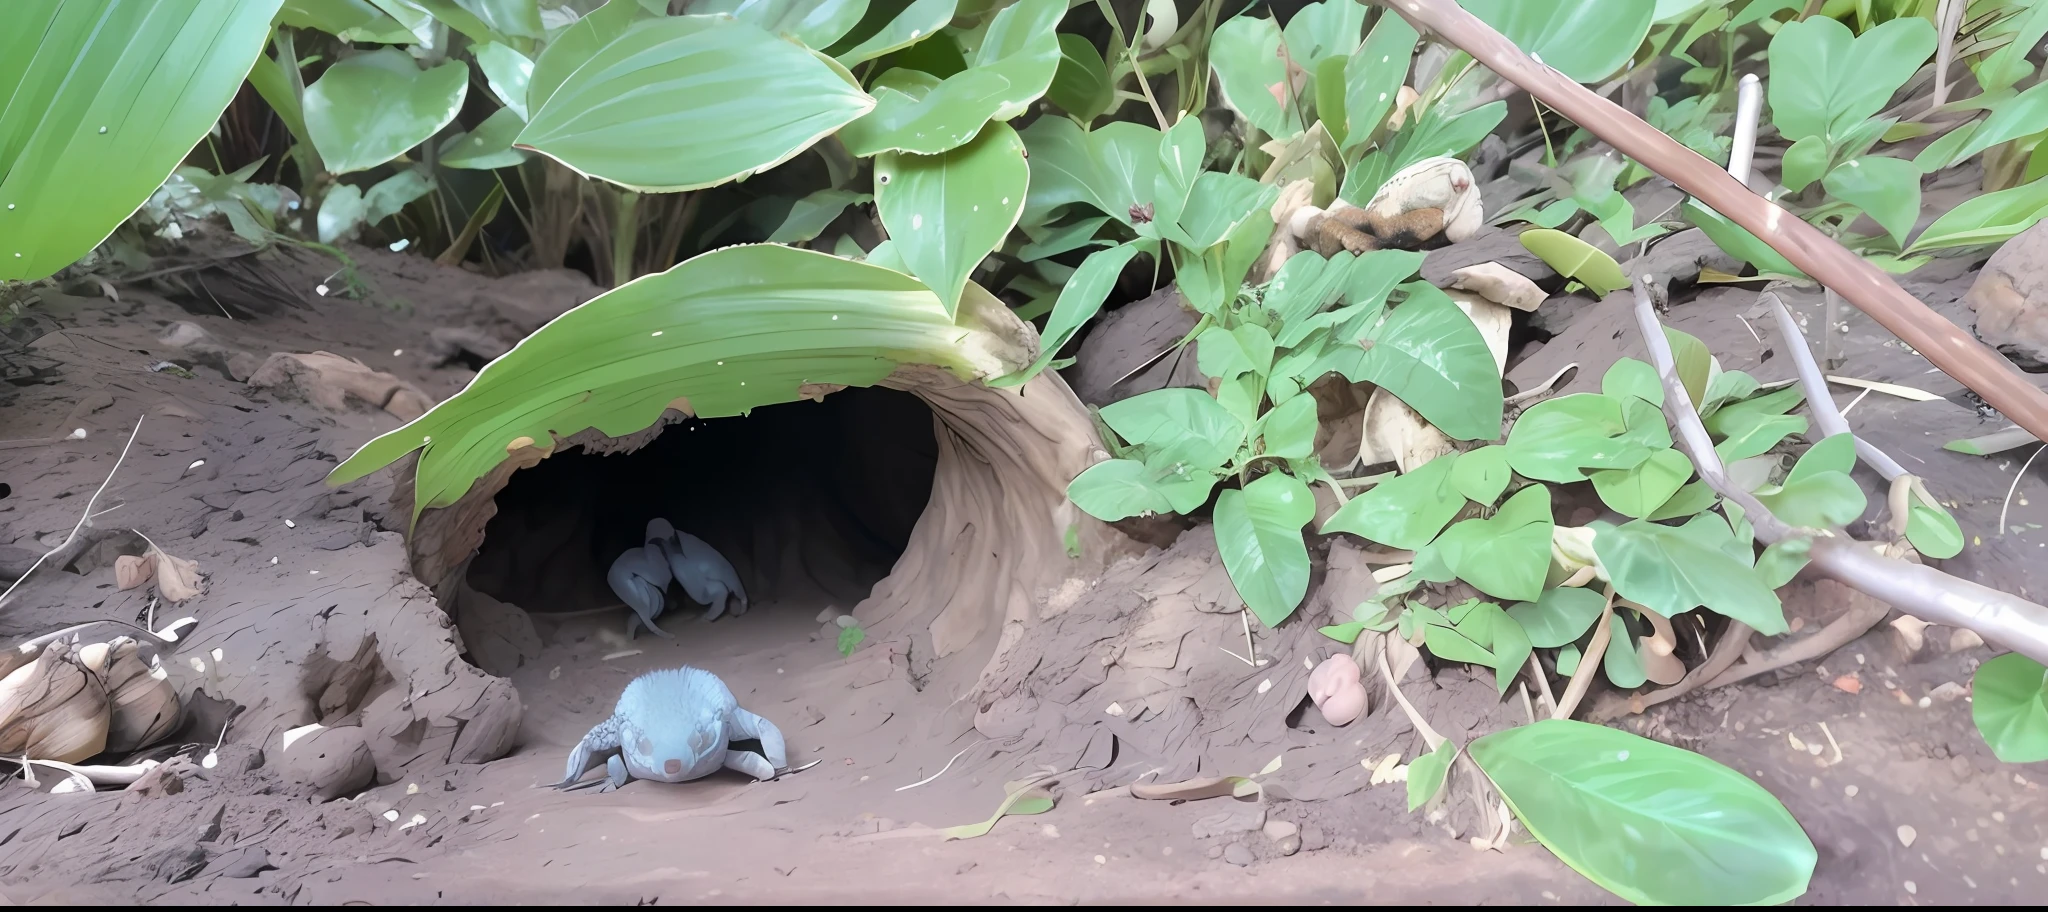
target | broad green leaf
[
  {"x": 812, "y": 214},
  {"x": 1726, "y": 387},
  {"x": 1651, "y": 823},
  {"x": 1324, "y": 31},
  {"x": 1638, "y": 492},
  {"x": 486, "y": 20},
  {"x": 1695, "y": 364},
  {"x": 349, "y": 20},
  {"x": 1574, "y": 258},
  {"x": 1220, "y": 203},
  {"x": 1290, "y": 428},
  {"x": 1226, "y": 353},
  {"x": 1117, "y": 489},
  {"x": 1586, "y": 40},
  {"x": 1826, "y": 80},
  {"x": 1452, "y": 645},
  {"x": 947, "y": 212},
  {"x": 1822, "y": 500},
  {"x": 892, "y": 25},
  {"x": 1245, "y": 53},
  {"x": 1753, "y": 426},
  {"x": 1674, "y": 569},
  {"x": 1568, "y": 659},
  {"x": 1932, "y": 531},
  {"x": 2022, "y": 115},
  {"x": 488, "y": 146},
  {"x": 1886, "y": 188},
  {"x": 1482, "y": 474},
  {"x": 1188, "y": 422},
  {"x": 577, "y": 45},
  {"x": 762, "y": 321},
  {"x": 1258, "y": 531},
  {"x": 1079, "y": 301},
  {"x": 1835, "y": 453},
  {"x": 1782, "y": 561},
  {"x": 1406, "y": 511},
  {"x": 1111, "y": 169},
  {"x": 687, "y": 102},
  {"x": 1987, "y": 219},
  {"x": 2010, "y": 706},
  {"x": 1690, "y": 499},
  {"x": 1081, "y": 85},
  {"x": 1503, "y": 637},
  {"x": 1434, "y": 134},
  {"x": 341, "y": 213},
  {"x": 507, "y": 72},
  {"x": 1426, "y": 774},
  {"x": 371, "y": 108},
  {"x": 1805, "y": 162},
  {"x": 1557, "y": 439},
  {"x": 817, "y": 24},
  {"x": 1505, "y": 556},
  {"x": 1428, "y": 354},
  {"x": 102, "y": 102},
  {"x": 1373, "y": 78},
  {"x": 1211, "y": 278},
  {"x": 1633, "y": 377},
  {"x": 1737, "y": 242},
  {"x": 385, "y": 198},
  {"x": 1013, "y": 66},
  {"x": 2008, "y": 64},
  {"x": 1621, "y": 663},
  {"x": 1561, "y": 616}
]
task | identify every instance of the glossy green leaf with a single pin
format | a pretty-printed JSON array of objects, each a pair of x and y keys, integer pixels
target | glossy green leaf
[
  {"x": 1435, "y": 133},
  {"x": 488, "y": 146},
  {"x": 1453, "y": 645},
  {"x": 486, "y": 20},
  {"x": 1505, "y": 556},
  {"x": 1258, "y": 531},
  {"x": 1406, "y": 511},
  {"x": 1081, "y": 85},
  {"x": 1886, "y": 188},
  {"x": 1245, "y": 53},
  {"x": 1737, "y": 242},
  {"x": 1932, "y": 531},
  {"x": 818, "y": 24},
  {"x": 1346, "y": 633},
  {"x": 1426, "y": 774},
  {"x": 1622, "y": 664},
  {"x": 1013, "y": 66},
  {"x": 350, "y": 20},
  {"x": 762, "y": 321},
  {"x": 1638, "y": 492},
  {"x": 2010, "y": 706},
  {"x": 891, "y": 25},
  {"x": 1574, "y": 258},
  {"x": 1725, "y": 387},
  {"x": 1692, "y": 498},
  {"x": 2007, "y": 65},
  {"x": 1482, "y": 474},
  {"x": 2021, "y": 115},
  {"x": 577, "y": 45},
  {"x": 1112, "y": 169},
  {"x": 1429, "y": 355},
  {"x": 687, "y": 102},
  {"x": 1325, "y": 31},
  {"x": 1835, "y": 453},
  {"x": 1290, "y": 428},
  {"x": 1805, "y": 162},
  {"x": 1558, "y": 439},
  {"x": 1560, "y": 616},
  {"x": 1188, "y": 422},
  {"x": 1219, "y": 204},
  {"x": 1695, "y": 364},
  {"x": 1505, "y": 639},
  {"x": 1753, "y": 426},
  {"x": 371, "y": 108},
  {"x": 1826, "y": 80},
  {"x": 1586, "y": 40},
  {"x": 1568, "y": 659},
  {"x": 809, "y": 217},
  {"x": 1633, "y": 377},
  {"x": 1674, "y": 569},
  {"x": 1079, "y": 301},
  {"x": 1226, "y": 353},
  {"x": 1116, "y": 489},
  {"x": 1987, "y": 219},
  {"x": 508, "y": 73},
  {"x": 947, "y": 212},
  {"x": 102, "y": 102},
  {"x": 1783, "y": 560},
  {"x": 1823, "y": 500},
  {"x": 1181, "y": 150}
]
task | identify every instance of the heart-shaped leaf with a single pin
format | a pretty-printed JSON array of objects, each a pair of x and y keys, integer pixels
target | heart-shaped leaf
[
  {"x": 1886, "y": 188},
  {"x": 2009, "y": 703},
  {"x": 1430, "y": 356},
  {"x": 1373, "y": 78},
  {"x": 1012, "y": 67},
  {"x": 1506, "y": 556},
  {"x": 1081, "y": 85},
  {"x": 947, "y": 212},
  {"x": 1561, "y": 616},
  {"x": 1289, "y": 430},
  {"x": 1116, "y": 489},
  {"x": 1406, "y": 511},
  {"x": 1826, "y": 80},
  {"x": 1638, "y": 492},
  {"x": 1556, "y": 439},
  {"x": 1574, "y": 258},
  {"x": 1651, "y": 823},
  {"x": 1245, "y": 53},
  {"x": 1482, "y": 474},
  {"x": 1258, "y": 531},
  {"x": 370, "y": 108},
  {"x": 1187, "y": 422},
  {"x": 1586, "y": 40},
  {"x": 1672, "y": 570},
  {"x": 1112, "y": 169}
]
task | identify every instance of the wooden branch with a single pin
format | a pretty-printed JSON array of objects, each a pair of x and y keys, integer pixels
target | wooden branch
[{"x": 1948, "y": 346}]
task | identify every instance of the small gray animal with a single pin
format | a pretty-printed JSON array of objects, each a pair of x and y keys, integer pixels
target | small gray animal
[
  {"x": 674, "y": 726},
  {"x": 707, "y": 577},
  {"x": 640, "y": 578}
]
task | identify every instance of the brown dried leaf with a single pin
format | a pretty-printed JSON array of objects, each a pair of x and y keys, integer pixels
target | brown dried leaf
[
  {"x": 176, "y": 578},
  {"x": 132, "y": 570}
]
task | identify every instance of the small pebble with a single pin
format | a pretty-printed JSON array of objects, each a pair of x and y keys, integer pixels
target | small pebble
[
  {"x": 1912, "y": 889},
  {"x": 1215, "y": 851},
  {"x": 1906, "y": 836},
  {"x": 1849, "y": 790},
  {"x": 1101, "y": 860},
  {"x": 1237, "y": 854}
]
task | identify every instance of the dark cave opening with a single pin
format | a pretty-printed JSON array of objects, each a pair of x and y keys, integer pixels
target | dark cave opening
[{"x": 810, "y": 500}]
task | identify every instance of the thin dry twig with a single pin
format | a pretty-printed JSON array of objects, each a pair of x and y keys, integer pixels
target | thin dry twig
[
  {"x": 1429, "y": 735},
  {"x": 83, "y": 517},
  {"x": 2014, "y": 488},
  {"x": 1582, "y": 677},
  {"x": 1819, "y": 400}
]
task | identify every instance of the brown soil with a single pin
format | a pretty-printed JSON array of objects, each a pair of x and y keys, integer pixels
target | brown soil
[{"x": 1114, "y": 677}]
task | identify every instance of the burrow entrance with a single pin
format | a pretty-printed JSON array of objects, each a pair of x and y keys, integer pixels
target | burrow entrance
[{"x": 811, "y": 501}]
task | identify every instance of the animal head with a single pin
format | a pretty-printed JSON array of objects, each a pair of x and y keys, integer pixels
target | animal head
[{"x": 658, "y": 528}]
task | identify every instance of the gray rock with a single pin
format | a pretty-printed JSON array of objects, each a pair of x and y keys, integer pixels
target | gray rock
[{"x": 1237, "y": 854}]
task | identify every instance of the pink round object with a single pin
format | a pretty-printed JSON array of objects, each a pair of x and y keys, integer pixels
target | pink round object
[{"x": 1336, "y": 689}]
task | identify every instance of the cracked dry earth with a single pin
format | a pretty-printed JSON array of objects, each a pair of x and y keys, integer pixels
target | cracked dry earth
[{"x": 302, "y": 579}]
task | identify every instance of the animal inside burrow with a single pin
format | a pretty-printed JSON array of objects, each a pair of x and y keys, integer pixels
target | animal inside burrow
[
  {"x": 641, "y": 575},
  {"x": 675, "y": 725}
]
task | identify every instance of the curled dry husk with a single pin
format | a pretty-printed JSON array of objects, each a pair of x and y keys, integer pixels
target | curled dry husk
[
  {"x": 142, "y": 704},
  {"x": 55, "y": 707}
]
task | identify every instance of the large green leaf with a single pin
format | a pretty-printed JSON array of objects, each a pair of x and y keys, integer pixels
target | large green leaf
[
  {"x": 721, "y": 333},
  {"x": 1652, "y": 823},
  {"x": 1326, "y": 30},
  {"x": 687, "y": 102},
  {"x": 102, "y": 102},
  {"x": 1403, "y": 512},
  {"x": 1079, "y": 301},
  {"x": 1482, "y": 474},
  {"x": 1886, "y": 188},
  {"x": 1558, "y": 439},
  {"x": 1113, "y": 169},
  {"x": 371, "y": 108},
  {"x": 349, "y": 20},
  {"x": 508, "y": 73},
  {"x": 810, "y": 216},
  {"x": 2012, "y": 118},
  {"x": 488, "y": 146},
  {"x": 1987, "y": 219},
  {"x": 1436, "y": 133},
  {"x": 1562, "y": 615},
  {"x": 947, "y": 212},
  {"x": 1081, "y": 86},
  {"x": 1587, "y": 40},
  {"x": 1818, "y": 493},
  {"x": 1826, "y": 81},
  {"x": 1674, "y": 569},
  {"x": 1505, "y": 556},
  {"x": 1258, "y": 531},
  {"x": 892, "y": 25},
  {"x": 1428, "y": 354},
  {"x": 1013, "y": 66},
  {"x": 1187, "y": 423},
  {"x": 2009, "y": 702},
  {"x": 1373, "y": 78},
  {"x": 816, "y": 23},
  {"x": 1637, "y": 492},
  {"x": 1117, "y": 489},
  {"x": 1245, "y": 53}
]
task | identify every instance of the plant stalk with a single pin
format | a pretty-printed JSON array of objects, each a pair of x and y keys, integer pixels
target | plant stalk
[{"x": 625, "y": 234}]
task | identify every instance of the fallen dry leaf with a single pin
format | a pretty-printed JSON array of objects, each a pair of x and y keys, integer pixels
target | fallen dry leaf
[
  {"x": 132, "y": 570},
  {"x": 1849, "y": 683},
  {"x": 176, "y": 578}
]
